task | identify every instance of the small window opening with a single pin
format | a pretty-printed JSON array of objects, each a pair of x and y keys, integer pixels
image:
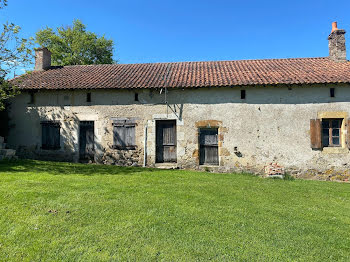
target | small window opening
[
  {"x": 31, "y": 99},
  {"x": 242, "y": 94},
  {"x": 88, "y": 97},
  {"x": 136, "y": 97},
  {"x": 332, "y": 92}
]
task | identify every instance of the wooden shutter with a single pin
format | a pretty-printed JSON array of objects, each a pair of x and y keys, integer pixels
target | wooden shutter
[
  {"x": 348, "y": 133},
  {"x": 129, "y": 132},
  {"x": 50, "y": 135},
  {"x": 124, "y": 134},
  {"x": 119, "y": 136},
  {"x": 315, "y": 134},
  {"x": 44, "y": 136},
  {"x": 56, "y": 136}
]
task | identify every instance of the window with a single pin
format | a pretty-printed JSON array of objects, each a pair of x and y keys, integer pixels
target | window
[
  {"x": 88, "y": 97},
  {"x": 208, "y": 143},
  {"x": 136, "y": 97},
  {"x": 331, "y": 132},
  {"x": 50, "y": 135},
  {"x": 66, "y": 100},
  {"x": 31, "y": 98},
  {"x": 242, "y": 94},
  {"x": 332, "y": 92},
  {"x": 124, "y": 134}
]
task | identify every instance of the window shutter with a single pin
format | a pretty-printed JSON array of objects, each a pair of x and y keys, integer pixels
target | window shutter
[
  {"x": 44, "y": 137},
  {"x": 129, "y": 135},
  {"x": 315, "y": 133},
  {"x": 50, "y": 140},
  {"x": 119, "y": 136},
  {"x": 124, "y": 134},
  {"x": 56, "y": 137},
  {"x": 348, "y": 133}
]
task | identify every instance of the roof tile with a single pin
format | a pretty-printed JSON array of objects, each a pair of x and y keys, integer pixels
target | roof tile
[{"x": 189, "y": 74}]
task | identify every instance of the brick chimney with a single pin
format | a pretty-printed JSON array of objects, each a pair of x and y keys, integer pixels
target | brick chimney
[
  {"x": 336, "y": 44},
  {"x": 42, "y": 59}
]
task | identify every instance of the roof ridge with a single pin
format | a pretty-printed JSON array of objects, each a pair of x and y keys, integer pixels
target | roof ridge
[{"x": 212, "y": 61}]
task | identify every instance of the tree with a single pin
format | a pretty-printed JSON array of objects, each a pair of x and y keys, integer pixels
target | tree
[
  {"x": 14, "y": 52},
  {"x": 73, "y": 45}
]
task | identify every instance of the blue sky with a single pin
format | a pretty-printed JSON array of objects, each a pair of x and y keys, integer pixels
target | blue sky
[{"x": 169, "y": 31}]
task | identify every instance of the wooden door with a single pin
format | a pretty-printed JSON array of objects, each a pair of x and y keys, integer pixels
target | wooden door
[
  {"x": 166, "y": 141},
  {"x": 209, "y": 150},
  {"x": 86, "y": 140}
]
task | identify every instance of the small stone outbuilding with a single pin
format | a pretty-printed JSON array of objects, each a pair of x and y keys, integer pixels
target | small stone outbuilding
[{"x": 221, "y": 115}]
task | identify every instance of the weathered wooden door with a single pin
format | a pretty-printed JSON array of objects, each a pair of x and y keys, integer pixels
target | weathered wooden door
[
  {"x": 166, "y": 141},
  {"x": 208, "y": 141},
  {"x": 86, "y": 140}
]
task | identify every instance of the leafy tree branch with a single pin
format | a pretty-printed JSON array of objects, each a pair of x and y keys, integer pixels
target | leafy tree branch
[
  {"x": 74, "y": 45},
  {"x": 15, "y": 51}
]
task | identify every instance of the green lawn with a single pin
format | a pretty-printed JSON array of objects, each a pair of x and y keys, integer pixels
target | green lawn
[{"x": 68, "y": 212}]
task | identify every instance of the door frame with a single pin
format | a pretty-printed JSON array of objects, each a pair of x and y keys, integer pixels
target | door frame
[
  {"x": 202, "y": 147},
  {"x": 157, "y": 124},
  {"x": 86, "y": 123}
]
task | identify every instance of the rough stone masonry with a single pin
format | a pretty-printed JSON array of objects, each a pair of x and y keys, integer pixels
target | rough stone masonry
[{"x": 223, "y": 116}]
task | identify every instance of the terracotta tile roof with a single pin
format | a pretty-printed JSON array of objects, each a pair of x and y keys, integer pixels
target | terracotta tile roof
[{"x": 190, "y": 74}]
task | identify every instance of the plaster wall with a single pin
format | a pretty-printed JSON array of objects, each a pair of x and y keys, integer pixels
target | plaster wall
[{"x": 271, "y": 125}]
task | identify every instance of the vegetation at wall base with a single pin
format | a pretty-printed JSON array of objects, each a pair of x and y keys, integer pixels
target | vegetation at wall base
[{"x": 68, "y": 212}]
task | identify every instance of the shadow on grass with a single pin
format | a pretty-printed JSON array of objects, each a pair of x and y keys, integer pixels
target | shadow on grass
[{"x": 61, "y": 168}]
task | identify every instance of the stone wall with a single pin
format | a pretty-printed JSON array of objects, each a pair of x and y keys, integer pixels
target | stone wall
[
  {"x": 122, "y": 157},
  {"x": 272, "y": 124},
  {"x": 336, "y": 45},
  {"x": 34, "y": 152},
  {"x": 6, "y": 153}
]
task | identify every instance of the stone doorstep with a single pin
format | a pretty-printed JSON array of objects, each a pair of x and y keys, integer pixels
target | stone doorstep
[
  {"x": 7, "y": 152},
  {"x": 166, "y": 165},
  {"x": 275, "y": 176}
]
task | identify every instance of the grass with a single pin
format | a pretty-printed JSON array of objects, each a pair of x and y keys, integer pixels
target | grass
[{"x": 73, "y": 212}]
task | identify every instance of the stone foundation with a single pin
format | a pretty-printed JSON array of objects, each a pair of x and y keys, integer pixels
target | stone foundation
[
  {"x": 331, "y": 174},
  {"x": 6, "y": 153},
  {"x": 122, "y": 157},
  {"x": 46, "y": 155}
]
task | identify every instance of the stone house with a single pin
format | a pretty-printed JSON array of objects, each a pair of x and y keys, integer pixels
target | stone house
[{"x": 224, "y": 115}]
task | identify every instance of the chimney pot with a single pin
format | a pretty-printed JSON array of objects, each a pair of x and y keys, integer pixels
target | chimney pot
[
  {"x": 42, "y": 59},
  {"x": 334, "y": 27}
]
